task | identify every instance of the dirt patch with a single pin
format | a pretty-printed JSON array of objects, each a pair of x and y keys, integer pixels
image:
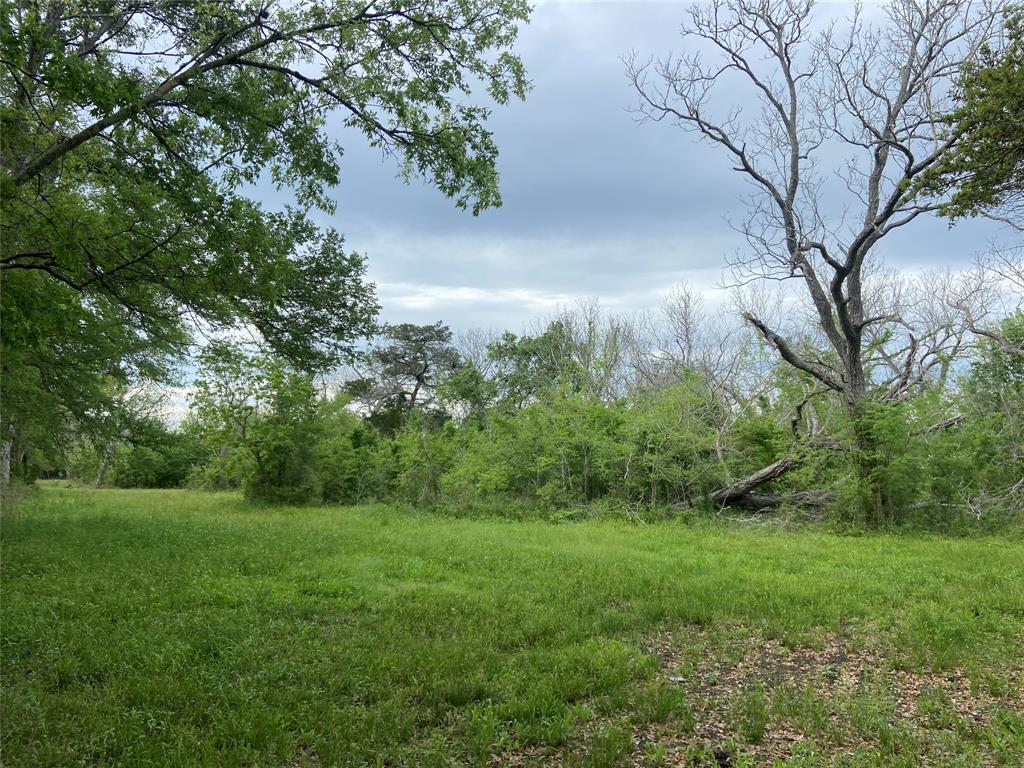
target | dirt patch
[{"x": 756, "y": 700}]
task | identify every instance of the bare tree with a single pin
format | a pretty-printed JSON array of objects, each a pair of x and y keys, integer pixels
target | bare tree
[
  {"x": 831, "y": 123},
  {"x": 592, "y": 343},
  {"x": 472, "y": 345},
  {"x": 684, "y": 336},
  {"x": 989, "y": 292},
  {"x": 863, "y": 96}
]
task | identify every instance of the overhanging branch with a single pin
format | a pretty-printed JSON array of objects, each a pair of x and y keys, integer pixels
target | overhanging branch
[{"x": 787, "y": 354}]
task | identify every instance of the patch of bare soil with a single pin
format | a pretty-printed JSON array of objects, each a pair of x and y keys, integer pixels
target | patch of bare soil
[
  {"x": 718, "y": 683},
  {"x": 735, "y": 686}
]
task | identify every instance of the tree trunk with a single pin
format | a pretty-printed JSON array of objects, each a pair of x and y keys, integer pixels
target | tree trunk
[
  {"x": 767, "y": 502},
  {"x": 261, "y": 472},
  {"x": 6, "y": 455},
  {"x": 5, "y": 463}
]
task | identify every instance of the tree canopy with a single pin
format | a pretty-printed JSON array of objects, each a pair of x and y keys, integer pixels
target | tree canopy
[
  {"x": 985, "y": 168},
  {"x": 131, "y": 134},
  {"x": 400, "y": 373}
]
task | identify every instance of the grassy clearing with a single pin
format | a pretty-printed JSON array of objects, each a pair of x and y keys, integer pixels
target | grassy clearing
[{"x": 180, "y": 628}]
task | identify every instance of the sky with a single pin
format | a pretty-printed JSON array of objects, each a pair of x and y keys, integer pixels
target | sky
[{"x": 595, "y": 204}]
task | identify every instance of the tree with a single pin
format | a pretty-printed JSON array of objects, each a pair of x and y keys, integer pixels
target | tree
[
  {"x": 403, "y": 370},
  {"x": 245, "y": 86},
  {"x": 129, "y": 130},
  {"x": 864, "y": 97},
  {"x": 64, "y": 363},
  {"x": 984, "y": 169},
  {"x": 581, "y": 350},
  {"x": 63, "y": 350},
  {"x": 993, "y": 399},
  {"x": 258, "y": 418},
  {"x": 524, "y": 366},
  {"x": 984, "y": 172},
  {"x": 993, "y": 290},
  {"x": 467, "y": 393}
]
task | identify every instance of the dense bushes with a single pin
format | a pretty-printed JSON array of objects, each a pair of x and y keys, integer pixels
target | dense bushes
[
  {"x": 166, "y": 463},
  {"x": 148, "y": 455},
  {"x": 671, "y": 447},
  {"x": 541, "y": 435}
]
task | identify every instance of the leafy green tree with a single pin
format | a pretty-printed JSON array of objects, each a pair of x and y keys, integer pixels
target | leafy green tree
[
  {"x": 86, "y": 447},
  {"x": 985, "y": 168},
  {"x": 404, "y": 369},
  {"x": 467, "y": 393},
  {"x": 258, "y": 418},
  {"x": 525, "y": 366},
  {"x": 129, "y": 131},
  {"x": 561, "y": 449},
  {"x": 251, "y": 86},
  {"x": 63, "y": 364}
]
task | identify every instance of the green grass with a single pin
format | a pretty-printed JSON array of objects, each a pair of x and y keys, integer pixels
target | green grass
[{"x": 183, "y": 628}]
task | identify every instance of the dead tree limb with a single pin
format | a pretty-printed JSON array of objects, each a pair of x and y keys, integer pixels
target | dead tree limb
[
  {"x": 734, "y": 493},
  {"x": 952, "y": 421},
  {"x": 768, "y": 502}
]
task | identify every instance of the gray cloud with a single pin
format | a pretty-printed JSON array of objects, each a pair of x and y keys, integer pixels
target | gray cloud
[{"x": 595, "y": 204}]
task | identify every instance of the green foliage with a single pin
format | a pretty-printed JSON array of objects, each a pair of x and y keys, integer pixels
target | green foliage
[
  {"x": 259, "y": 422},
  {"x": 561, "y": 449},
  {"x": 985, "y": 168},
  {"x": 246, "y": 98},
  {"x": 527, "y": 366},
  {"x": 161, "y": 459},
  {"x": 673, "y": 439},
  {"x": 421, "y": 456},
  {"x": 125, "y": 226},
  {"x": 993, "y": 405},
  {"x": 405, "y": 367},
  {"x": 469, "y": 391},
  {"x": 566, "y": 448},
  {"x": 170, "y": 628},
  {"x": 945, "y": 459},
  {"x": 901, "y": 463},
  {"x": 352, "y": 465}
]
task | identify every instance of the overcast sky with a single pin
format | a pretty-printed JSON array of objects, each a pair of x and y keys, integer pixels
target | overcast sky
[{"x": 595, "y": 205}]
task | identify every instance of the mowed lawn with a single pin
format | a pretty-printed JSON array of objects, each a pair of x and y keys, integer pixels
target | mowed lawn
[{"x": 179, "y": 628}]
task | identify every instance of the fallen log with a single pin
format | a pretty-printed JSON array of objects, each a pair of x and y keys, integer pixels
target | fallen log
[
  {"x": 734, "y": 493},
  {"x": 768, "y": 502}
]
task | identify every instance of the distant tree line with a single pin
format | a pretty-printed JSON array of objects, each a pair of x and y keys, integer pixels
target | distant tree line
[{"x": 643, "y": 415}]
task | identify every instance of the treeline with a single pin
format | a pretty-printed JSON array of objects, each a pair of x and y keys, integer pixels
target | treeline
[
  {"x": 861, "y": 396},
  {"x": 592, "y": 412}
]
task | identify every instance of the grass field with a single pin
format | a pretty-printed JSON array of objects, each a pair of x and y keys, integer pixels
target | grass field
[{"x": 179, "y": 628}]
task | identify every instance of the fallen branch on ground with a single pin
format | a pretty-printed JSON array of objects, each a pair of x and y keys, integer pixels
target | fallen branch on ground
[{"x": 734, "y": 493}]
